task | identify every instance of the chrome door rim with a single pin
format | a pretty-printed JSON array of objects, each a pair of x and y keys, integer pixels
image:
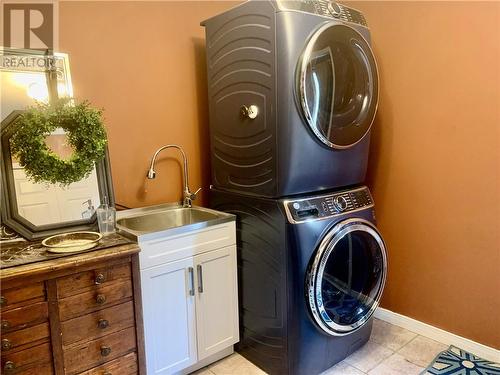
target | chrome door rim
[
  {"x": 302, "y": 84},
  {"x": 315, "y": 274}
]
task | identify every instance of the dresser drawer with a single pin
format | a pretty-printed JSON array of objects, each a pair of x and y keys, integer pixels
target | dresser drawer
[
  {"x": 93, "y": 300},
  {"x": 16, "y": 297},
  {"x": 98, "y": 324},
  {"x": 25, "y": 338},
  {"x": 23, "y": 317},
  {"x": 126, "y": 365},
  {"x": 36, "y": 360},
  {"x": 38, "y": 369},
  {"x": 97, "y": 352},
  {"x": 92, "y": 280}
]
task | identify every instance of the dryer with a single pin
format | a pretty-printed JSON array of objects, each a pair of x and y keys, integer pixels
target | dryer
[
  {"x": 293, "y": 91},
  {"x": 311, "y": 273}
]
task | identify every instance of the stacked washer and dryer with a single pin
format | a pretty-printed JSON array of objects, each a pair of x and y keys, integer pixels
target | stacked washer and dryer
[{"x": 293, "y": 91}]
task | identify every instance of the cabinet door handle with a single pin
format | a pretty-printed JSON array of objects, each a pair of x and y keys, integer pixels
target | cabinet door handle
[
  {"x": 3, "y": 300},
  {"x": 200, "y": 278},
  {"x": 191, "y": 280}
]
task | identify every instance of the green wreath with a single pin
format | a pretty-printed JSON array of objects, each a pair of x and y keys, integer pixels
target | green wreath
[{"x": 85, "y": 132}]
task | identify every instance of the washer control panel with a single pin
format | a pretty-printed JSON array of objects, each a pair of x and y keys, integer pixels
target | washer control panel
[{"x": 324, "y": 206}]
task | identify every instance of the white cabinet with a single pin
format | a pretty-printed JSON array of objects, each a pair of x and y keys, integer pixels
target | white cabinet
[
  {"x": 190, "y": 305},
  {"x": 216, "y": 301}
]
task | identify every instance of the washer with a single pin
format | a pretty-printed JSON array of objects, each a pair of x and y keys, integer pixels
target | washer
[
  {"x": 293, "y": 90},
  {"x": 311, "y": 274}
]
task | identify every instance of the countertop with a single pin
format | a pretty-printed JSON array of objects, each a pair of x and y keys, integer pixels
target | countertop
[{"x": 20, "y": 259}]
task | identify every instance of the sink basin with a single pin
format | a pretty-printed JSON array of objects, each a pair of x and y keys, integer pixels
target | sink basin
[
  {"x": 158, "y": 221},
  {"x": 139, "y": 222}
]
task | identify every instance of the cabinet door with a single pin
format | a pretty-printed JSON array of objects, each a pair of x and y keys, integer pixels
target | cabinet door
[
  {"x": 169, "y": 316},
  {"x": 216, "y": 301}
]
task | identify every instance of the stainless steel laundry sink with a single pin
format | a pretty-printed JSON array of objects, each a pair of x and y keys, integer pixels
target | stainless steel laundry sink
[
  {"x": 167, "y": 219},
  {"x": 177, "y": 217}
]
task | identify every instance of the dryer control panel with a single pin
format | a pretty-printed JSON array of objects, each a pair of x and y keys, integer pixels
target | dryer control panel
[
  {"x": 325, "y": 8},
  {"x": 324, "y": 206}
]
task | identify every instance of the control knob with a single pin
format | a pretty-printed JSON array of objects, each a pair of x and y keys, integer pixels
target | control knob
[
  {"x": 334, "y": 9},
  {"x": 340, "y": 203}
]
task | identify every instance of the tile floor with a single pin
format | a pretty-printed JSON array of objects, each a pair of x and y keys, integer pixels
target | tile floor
[{"x": 392, "y": 350}]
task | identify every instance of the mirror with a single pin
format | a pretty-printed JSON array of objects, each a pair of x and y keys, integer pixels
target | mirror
[
  {"x": 27, "y": 76},
  {"x": 35, "y": 209}
]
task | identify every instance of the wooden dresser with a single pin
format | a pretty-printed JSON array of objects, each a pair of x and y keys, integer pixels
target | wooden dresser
[{"x": 78, "y": 314}]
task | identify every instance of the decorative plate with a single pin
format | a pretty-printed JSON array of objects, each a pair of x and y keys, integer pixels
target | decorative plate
[{"x": 71, "y": 242}]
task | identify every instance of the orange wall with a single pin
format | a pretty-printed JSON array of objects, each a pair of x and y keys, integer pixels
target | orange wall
[
  {"x": 435, "y": 161},
  {"x": 144, "y": 63},
  {"x": 435, "y": 156}
]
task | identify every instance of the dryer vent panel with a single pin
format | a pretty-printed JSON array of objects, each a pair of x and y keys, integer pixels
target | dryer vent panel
[
  {"x": 262, "y": 278},
  {"x": 241, "y": 73}
]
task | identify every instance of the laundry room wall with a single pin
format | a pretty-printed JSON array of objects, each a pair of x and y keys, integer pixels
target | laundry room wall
[
  {"x": 144, "y": 63},
  {"x": 435, "y": 161}
]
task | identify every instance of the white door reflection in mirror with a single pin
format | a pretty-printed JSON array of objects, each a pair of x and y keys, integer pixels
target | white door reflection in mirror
[{"x": 43, "y": 204}]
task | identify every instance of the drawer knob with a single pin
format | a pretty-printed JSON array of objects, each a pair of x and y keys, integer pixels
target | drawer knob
[
  {"x": 3, "y": 300},
  {"x": 106, "y": 373},
  {"x": 6, "y": 344},
  {"x": 100, "y": 299},
  {"x": 103, "y": 323},
  {"x": 105, "y": 351},
  {"x": 5, "y": 324},
  {"x": 100, "y": 278},
  {"x": 9, "y": 366}
]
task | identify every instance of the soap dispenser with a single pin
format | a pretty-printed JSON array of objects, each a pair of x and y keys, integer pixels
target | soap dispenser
[
  {"x": 87, "y": 214},
  {"x": 106, "y": 217}
]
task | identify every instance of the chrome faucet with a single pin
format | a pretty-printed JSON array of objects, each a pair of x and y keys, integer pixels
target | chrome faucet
[{"x": 188, "y": 197}]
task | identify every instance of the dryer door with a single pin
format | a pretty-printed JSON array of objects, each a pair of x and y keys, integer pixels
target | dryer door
[
  {"x": 338, "y": 85},
  {"x": 346, "y": 277}
]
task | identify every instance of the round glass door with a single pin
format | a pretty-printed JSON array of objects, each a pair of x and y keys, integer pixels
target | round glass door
[
  {"x": 338, "y": 85},
  {"x": 347, "y": 276}
]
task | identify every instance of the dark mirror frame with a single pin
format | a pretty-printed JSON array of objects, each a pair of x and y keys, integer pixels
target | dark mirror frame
[
  {"x": 9, "y": 210},
  {"x": 10, "y": 213}
]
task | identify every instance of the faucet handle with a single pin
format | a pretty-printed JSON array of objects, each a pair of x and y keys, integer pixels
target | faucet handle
[
  {"x": 193, "y": 195},
  {"x": 189, "y": 197}
]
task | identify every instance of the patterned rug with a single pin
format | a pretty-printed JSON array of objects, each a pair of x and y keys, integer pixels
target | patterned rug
[{"x": 455, "y": 361}]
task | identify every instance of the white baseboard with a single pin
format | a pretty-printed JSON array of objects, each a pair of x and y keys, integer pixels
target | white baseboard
[{"x": 438, "y": 334}]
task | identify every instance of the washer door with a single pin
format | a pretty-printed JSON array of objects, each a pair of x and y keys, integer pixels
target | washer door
[
  {"x": 346, "y": 277},
  {"x": 338, "y": 85}
]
